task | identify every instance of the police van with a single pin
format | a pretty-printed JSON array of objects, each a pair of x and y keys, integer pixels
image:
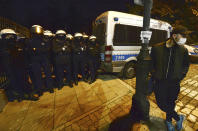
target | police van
[
  {"x": 193, "y": 53},
  {"x": 119, "y": 36}
]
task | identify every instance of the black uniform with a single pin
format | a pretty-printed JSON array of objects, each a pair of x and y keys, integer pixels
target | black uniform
[
  {"x": 79, "y": 59},
  {"x": 86, "y": 59},
  {"x": 94, "y": 55},
  {"x": 39, "y": 54},
  {"x": 8, "y": 61},
  {"x": 62, "y": 51}
]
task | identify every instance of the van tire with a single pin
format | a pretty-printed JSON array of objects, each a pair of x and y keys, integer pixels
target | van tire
[{"x": 129, "y": 70}]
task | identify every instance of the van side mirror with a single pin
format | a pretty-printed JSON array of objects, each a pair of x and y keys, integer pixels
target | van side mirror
[
  {"x": 139, "y": 2},
  {"x": 142, "y": 2}
]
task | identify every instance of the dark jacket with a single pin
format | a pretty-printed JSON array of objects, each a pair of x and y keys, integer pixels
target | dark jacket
[
  {"x": 62, "y": 52},
  {"x": 93, "y": 49},
  {"x": 37, "y": 48},
  {"x": 169, "y": 63},
  {"x": 79, "y": 48},
  {"x": 57, "y": 47}
]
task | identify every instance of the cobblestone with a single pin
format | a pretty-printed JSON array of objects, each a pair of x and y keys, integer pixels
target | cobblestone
[
  {"x": 186, "y": 111},
  {"x": 195, "y": 112},
  {"x": 196, "y": 98},
  {"x": 190, "y": 107},
  {"x": 177, "y": 108},
  {"x": 185, "y": 100},
  {"x": 75, "y": 127},
  {"x": 192, "y": 118},
  {"x": 193, "y": 93},
  {"x": 196, "y": 126},
  {"x": 193, "y": 102},
  {"x": 182, "y": 88},
  {"x": 179, "y": 103}
]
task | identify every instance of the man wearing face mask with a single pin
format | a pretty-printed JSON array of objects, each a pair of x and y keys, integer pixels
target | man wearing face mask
[{"x": 170, "y": 65}]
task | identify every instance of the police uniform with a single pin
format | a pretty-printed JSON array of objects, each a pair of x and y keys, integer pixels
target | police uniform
[
  {"x": 93, "y": 51},
  {"x": 86, "y": 57},
  {"x": 79, "y": 55},
  {"x": 62, "y": 51},
  {"x": 9, "y": 64},
  {"x": 39, "y": 59}
]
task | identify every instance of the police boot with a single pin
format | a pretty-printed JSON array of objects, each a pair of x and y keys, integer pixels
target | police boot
[
  {"x": 40, "y": 93},
  {"x": 10, "y": 96},
  {"x": 51, "y": 90},
  {"x": 76, "y": 82},
  {"x": 20, "y": 96},
  {"x": 32, "y": 97},
  {"x": 70, "y": 84},
  {"x": 60, "y": 86},
  {"x": 92, "y": 81},
  {"x": 85, "y": 80}
]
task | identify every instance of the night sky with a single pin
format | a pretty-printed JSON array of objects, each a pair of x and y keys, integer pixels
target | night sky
[{"x": 71, "y": 15}]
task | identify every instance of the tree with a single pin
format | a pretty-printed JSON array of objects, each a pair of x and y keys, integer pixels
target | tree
[{"x": 176, "y": 13}]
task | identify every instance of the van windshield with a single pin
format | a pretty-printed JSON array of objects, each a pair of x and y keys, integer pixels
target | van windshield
[
  {"x": 99, "y": 32},
  {"x": 126, "y": 35}
]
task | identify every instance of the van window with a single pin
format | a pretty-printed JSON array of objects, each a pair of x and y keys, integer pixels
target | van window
[
  {"x": 99, "y": 32},
  {"x": 126, "y": 35}
]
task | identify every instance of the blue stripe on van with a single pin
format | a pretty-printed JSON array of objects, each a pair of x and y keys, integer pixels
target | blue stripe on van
[
  {"x": 192, "y": 53},
  {"x": 196, "y": 46},
  {"x": 122, "y": 57}
]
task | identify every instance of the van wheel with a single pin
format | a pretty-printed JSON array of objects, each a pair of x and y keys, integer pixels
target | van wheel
[{"x": 129, "y": 70}]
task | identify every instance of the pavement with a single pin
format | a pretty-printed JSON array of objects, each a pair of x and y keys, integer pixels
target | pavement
[{"x": 103, "y": 105}]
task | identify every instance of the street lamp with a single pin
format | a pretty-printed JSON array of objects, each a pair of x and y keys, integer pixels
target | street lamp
[{"x": 140, "y": 104}]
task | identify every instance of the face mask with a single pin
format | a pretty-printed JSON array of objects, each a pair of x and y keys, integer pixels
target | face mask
[
  {"x": 181, "y": 41},
  {"x": 61, "y": 38}
]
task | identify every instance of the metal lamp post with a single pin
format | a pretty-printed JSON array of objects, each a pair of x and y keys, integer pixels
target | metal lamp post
[{"x": 140, "y": 104}]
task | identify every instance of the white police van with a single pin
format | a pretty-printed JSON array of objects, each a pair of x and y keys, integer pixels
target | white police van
[
  {"x": 119, "y": 36},
  {"x": 193, "y": 53}
]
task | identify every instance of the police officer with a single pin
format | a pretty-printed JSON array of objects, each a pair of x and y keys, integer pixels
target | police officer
[
  {"x": 7, "y": 62},
  {"x": 47, "y": 39},
  {"x": 70, "y": 39},
  {"x": 21, "y": 70},
  {"x": 79, "y": 54},
  {"x": 62, "y": 51},
  {"x": 85, "y": 44},
  {"x": 93, "y": 51},
  {"x": 38, "y": 50}
]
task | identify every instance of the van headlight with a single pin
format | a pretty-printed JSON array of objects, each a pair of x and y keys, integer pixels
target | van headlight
[{"x": 196, "y": 51}]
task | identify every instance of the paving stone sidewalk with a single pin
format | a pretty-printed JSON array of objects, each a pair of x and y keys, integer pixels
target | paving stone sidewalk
[{"x": 84, "y": 107}]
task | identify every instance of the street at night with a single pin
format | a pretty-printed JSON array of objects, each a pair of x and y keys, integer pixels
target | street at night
[{"x": 103, "y": 65}]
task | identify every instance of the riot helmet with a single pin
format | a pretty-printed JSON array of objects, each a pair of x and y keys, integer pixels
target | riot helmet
[
  {"x": 37, "y": 30},
  {"x": 8, "y": 35},
  {"x": 69, "y": 37},
  {"x": 92, "y": 38},
  {"x": 47, "y": 35},
  {"x": 78, "y": 36},
  {"x": 60, "y": 35}
]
